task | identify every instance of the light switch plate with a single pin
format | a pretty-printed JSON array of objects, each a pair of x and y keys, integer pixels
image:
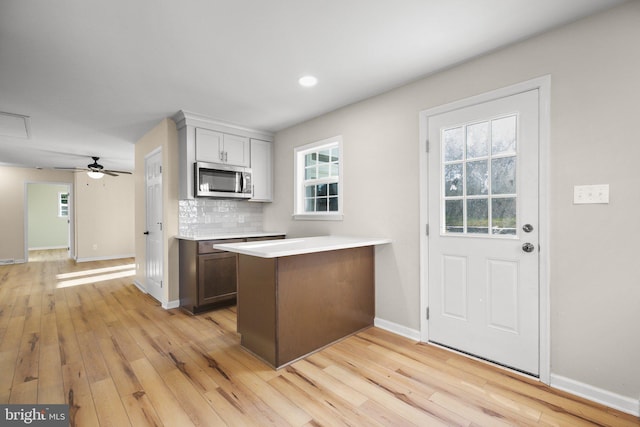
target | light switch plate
[{"x": 585, "y": 194}]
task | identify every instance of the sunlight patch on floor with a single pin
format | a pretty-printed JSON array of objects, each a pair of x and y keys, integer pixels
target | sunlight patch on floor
[
  {"x": 95, "y": 271},
  {"x": 95, "y": 275}
]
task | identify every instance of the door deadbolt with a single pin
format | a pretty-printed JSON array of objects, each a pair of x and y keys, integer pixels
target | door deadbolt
[
  {"x": 528, "y": 228},
  {"x": 528, "y": 247}
]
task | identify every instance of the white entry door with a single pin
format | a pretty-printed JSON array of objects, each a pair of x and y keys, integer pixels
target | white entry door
[
  {"x": 483, "y": 266},
  {"x": 154, "y": 255}
]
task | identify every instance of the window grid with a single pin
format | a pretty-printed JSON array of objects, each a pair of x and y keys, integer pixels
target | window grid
[
  {"x": 321, "y": 178},
  {"x": 456, "y": 172}
]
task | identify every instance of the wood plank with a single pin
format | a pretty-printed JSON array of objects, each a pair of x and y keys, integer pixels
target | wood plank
[
  {"x": 50, "y": 383},
  {"x": 140, "y": 410},
  {"x": 383, "y": 397},
  {"x": 194, "y": 403},
  {"x": 8, "y": 364},
  {"x": 119, "y": 367},
  {"x": 163, "y": 400},
  {"x": 82, "y": 411},
  {"x": 109, "y": 406}
]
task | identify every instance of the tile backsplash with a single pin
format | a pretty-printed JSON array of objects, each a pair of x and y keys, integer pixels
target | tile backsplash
[{"x": 207, "y": 217}]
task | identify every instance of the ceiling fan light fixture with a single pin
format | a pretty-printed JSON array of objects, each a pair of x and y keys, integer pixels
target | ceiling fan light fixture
[{"x": 95, "y": 175}]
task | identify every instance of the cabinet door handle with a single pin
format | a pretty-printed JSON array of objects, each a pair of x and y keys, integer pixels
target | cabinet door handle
[{"x": 226, "y": 156}]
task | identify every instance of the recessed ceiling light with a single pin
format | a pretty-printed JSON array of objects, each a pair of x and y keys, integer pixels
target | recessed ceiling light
[{"x": 308, "y": 81}]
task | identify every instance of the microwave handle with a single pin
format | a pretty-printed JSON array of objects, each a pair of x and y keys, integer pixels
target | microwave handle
[{"x": 247, "y": 187}]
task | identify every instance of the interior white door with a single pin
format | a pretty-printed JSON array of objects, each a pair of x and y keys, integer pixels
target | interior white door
[
  {"x": 483, "y": 280},
  {"x": 154, "y": 252}
]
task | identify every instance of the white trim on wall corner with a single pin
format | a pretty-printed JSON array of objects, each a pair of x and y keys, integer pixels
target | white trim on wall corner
[
  {"x": 605, "y": 397},
  {"x": 171, "y": 304},
  {"x": 397, "y": 329}
]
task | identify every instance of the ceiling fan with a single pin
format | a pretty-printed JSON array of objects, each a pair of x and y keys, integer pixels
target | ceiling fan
[{"x": 96, "y": 170}]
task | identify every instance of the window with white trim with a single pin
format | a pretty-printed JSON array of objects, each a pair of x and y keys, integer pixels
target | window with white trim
[
  {"x": 318, "y": 180},
  {"x": 63, "y": 204}
]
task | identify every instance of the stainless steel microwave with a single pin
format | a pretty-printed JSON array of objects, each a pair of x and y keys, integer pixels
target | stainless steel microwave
[{"x": 222, "y": 181}]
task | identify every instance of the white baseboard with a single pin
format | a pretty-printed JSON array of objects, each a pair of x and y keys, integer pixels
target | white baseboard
[
  {"x": 168, "y": 305},
  {"x": 171, "y": 304},
  {"x": 47, "y": 248},
  {"x": 397, "y": 329},
  {"x": 105, "y": 258},
  {"x": 140, "y": 286},
  {"x": 11, "y": 261},
  {"x": 608, "y": 398}
]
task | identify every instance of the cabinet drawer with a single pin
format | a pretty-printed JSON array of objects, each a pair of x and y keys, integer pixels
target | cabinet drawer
[{"x": 206, "y": 246}]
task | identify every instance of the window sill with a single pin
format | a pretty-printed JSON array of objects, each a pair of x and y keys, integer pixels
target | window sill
[{"x": 317, "y": 217}]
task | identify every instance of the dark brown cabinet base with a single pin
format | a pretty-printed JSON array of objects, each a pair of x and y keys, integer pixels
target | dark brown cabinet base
[
  {"x": 291, "y": 306},
  {"x": 208, "y": 276}
]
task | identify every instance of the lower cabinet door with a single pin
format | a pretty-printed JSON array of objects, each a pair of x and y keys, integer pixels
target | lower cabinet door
[{"x": 217, "y": 277}]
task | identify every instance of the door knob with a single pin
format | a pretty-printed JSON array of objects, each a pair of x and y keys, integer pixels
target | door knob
[
  {"x": 528, "y": 247},
  {"x": 146, "y": 233},
  {"x": 528, "y": 228}
]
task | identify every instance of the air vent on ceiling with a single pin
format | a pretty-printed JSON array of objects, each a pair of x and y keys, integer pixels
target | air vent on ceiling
[{"x": 15, "y": 125}]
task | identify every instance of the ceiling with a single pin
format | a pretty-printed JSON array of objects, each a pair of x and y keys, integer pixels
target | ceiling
[{"x": 94, "y": 76}]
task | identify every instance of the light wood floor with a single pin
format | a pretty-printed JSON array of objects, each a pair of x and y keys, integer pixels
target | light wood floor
[{"x": 118, "y": 359}]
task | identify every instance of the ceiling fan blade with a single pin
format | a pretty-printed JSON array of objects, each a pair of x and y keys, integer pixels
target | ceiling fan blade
[
  {"x": 106, "y": 172},
  {"x": 72, "y": 169},
  {"x": 121, "y": 172}
]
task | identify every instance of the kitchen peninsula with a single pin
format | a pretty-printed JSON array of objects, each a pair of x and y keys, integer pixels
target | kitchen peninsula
[{"x": 296, "y": 296}]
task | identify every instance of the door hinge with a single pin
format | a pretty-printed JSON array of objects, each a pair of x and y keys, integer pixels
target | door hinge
[
  {"x": 160, "y": 283},
  {"x": 426, "y": 229},
  {"x": 427, "y": 313},
  {"x": 427, "y": 144},
  {"x": 160, "y": 168}
]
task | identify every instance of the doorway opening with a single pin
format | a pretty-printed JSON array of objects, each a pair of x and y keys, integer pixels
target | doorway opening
[{"x": 48, "y": 221}]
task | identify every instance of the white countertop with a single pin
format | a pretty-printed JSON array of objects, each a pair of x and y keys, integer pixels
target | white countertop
[
  {"x": 298, "y": 246},
  {"x": 219, "y": 236}
]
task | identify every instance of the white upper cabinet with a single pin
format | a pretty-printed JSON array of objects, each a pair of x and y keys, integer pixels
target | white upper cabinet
[
  {"x": 202, "y": 139},
  {"x": 236, "y": 150},
  {"x": 208, "y": 146},
  {"x": 218, "y": 147},
  {"x": 262, "y": 170}
]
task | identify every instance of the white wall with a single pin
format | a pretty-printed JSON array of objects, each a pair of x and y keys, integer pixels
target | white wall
[
  {"x": 104, "y": 217},
  {"x": 594, "y": 66}
]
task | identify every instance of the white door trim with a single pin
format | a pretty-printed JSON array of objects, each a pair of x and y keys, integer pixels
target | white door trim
[{"x": 543, "y": 85}]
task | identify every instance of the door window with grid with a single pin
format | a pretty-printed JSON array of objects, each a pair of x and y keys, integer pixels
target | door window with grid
[{"x": 479, "y": 189}]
